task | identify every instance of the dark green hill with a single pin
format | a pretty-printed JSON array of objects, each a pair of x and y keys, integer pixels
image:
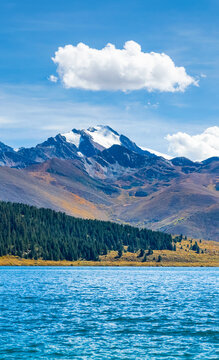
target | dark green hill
[{"x": 29, "y": 232}]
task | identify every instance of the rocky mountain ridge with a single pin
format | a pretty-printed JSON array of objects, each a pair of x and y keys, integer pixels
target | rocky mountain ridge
[{"x": 98, "y": 173}]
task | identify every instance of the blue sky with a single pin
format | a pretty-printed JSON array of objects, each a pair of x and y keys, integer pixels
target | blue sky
[{"x": 33, "y": 108}]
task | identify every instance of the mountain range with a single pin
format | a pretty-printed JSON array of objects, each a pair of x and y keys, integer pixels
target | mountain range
[{"x": 98, "y": 173}]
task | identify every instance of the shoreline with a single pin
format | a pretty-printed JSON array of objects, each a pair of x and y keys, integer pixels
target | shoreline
[
  {"x": 182, "y": 257},
  {"x": 15, "y": 261}
]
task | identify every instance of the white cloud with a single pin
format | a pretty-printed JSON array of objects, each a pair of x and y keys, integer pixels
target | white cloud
[
  {"x": 196, "y": 147},
  {"x": 119, "y": 69},
  {"x": 53, "y": 78}
]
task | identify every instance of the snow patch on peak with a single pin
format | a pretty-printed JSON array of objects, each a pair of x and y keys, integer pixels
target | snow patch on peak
[
  {"x": 104, "y": 136},
  {"x": 165, "y": 156},
  {"x": 72, "y": 137},
  {"x": 80, "y": 154}
]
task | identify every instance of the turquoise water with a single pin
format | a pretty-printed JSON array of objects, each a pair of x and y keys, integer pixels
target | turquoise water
[{"x": 108, "y": 313}]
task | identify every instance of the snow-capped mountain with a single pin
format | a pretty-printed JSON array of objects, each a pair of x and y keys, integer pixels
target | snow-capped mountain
[
  {"x": 101, "y": 173},
  {"x": 100, "y": 150},
  {"x": 100, "y": 137},
  {"x": 75, "y": 144}
]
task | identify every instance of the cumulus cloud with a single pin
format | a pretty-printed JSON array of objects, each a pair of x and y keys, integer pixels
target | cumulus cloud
[
  {"x": 53, "y": 78},
  {"x": 197, "y": 147},
  {"x": 119, "y": 69}
]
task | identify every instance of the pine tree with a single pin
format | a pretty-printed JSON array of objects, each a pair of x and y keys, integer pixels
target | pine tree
[
  {"x": 144, "y": 258},
  {"x": 141, "y": 253},
  {"x": 29, "y": 232}
]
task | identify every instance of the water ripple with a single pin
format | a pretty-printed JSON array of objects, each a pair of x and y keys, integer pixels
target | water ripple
[{"x": 109, "y": 313}]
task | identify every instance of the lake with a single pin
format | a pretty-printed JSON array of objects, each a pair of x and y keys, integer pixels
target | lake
[{"x": 108, "y": 313}]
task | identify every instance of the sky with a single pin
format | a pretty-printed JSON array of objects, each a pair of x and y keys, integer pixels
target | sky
[{"x": 157, "y": 83}]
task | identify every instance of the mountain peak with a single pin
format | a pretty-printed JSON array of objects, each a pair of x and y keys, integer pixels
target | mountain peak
[
  {"x": 100, "y": 137},
  {"x": 73, "y": 137},
  {"x": 104, "y": 136},
  {"x": 102, "y": 128},
  {"x": 4, "y": 147}
]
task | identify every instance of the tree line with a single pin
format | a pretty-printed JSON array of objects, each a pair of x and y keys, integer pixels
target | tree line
[{"x": 33, "y": 233}]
